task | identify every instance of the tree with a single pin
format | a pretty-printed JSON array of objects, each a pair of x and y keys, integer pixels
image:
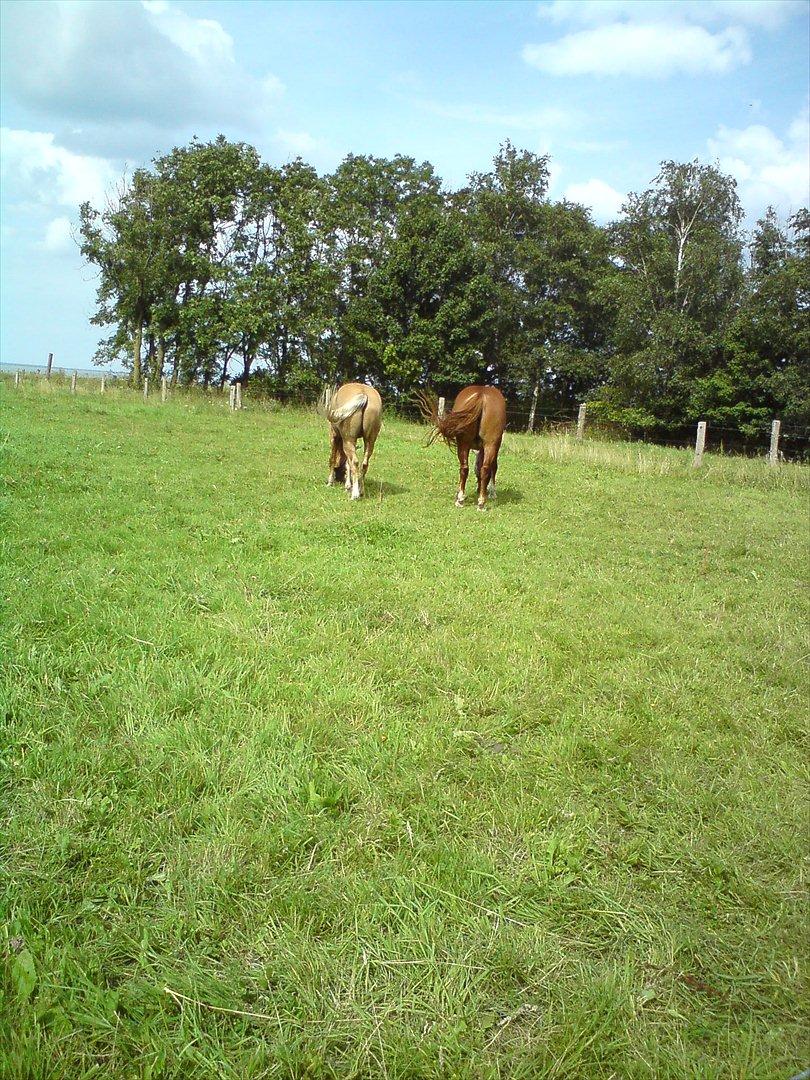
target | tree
[
  {"x": 207, "y": 195},
  {"x": 125, "y": 243},
  {"x": 677, "y": 252},
  {"x": 768, "y": 341},
  {"x": 429, "y": 302},
  {"x": 506, "y": 212},
  {"x": 566, "y": 260},
  {"x": 366, "y": 197}
]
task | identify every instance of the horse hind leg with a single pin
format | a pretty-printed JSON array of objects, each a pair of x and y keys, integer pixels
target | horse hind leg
[
  {"x": 463, "y": 471},
  {"x": 479, "y": 462},
  {"x": 347, "y": 465},
  {"x": 487, "y": 473},
  {"x": 368, "y": 450},
  {"x": 337, "y": 460},
  {"x": 353, "y": 482}
]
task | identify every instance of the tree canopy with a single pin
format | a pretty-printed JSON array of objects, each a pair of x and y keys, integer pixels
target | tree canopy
[{"x": 213, "y": 265}]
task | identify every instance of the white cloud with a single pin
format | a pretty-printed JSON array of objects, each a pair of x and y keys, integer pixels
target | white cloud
[
  {"x": 654, "y": 38},
  {"x": 652, "y": 49},
  {"x": 110, "y": 65},
  {"x": 32, "y": 162},
  {"x": 603, "y": 200},
  {"x": 767, "y": 13},
  {"x": 205, "y": 40},
  {"x": 58, "y": 235},
  {"x": 298, "y": 143},
  {"x": 768, "y": 169}
]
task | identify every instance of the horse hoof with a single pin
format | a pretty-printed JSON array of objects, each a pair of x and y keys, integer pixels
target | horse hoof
[{"x": 482, "y": 508}]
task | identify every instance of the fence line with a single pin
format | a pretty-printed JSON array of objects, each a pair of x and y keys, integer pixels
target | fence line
[{"x": 578, "y": 423}]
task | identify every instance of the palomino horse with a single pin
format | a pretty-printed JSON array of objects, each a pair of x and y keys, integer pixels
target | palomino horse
[
  {"x": 354, "y": 412},
  {"x": 476, "y": 422}
]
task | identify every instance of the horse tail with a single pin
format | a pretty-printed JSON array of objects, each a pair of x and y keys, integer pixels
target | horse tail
[
  {"x": 340, "y": 413},
  {"x": 325, "y": 400},
  {"x": 448, "y": 426}
]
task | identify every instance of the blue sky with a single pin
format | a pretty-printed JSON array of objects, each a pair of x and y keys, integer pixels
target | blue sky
[{"x": 608, "y": 87}]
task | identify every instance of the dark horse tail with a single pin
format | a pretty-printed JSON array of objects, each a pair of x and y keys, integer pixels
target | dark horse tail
[{"x": 448, "y": 426}]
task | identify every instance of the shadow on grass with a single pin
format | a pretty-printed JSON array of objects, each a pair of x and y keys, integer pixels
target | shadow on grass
[
  {"x": 508, "y": 495},
  {"x": 373, "y": 489}
]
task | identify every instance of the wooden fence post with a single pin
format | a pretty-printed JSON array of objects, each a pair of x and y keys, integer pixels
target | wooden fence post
[
  {"x": 163, "y": 388},
  {"x": 16, "y": 379},
  {"x": 440, "y": 409},
  {"x": 73, "y": 382},
  {"x": 533, "y": 409},
  {"x": 145, "y": 388},
  {"x": 103, "y": 381},
  {"x": 238, "y": 404},
  {"x": 773, "y": 453},
  {"x": 50, "y": 365},
  {"x": 581, "y": 420},
  {"x": 232, "y": 397},
  {"x": 700, "y": 442}
]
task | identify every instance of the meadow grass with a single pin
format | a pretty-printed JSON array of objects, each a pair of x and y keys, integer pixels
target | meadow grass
[{"x": 300, "y": 787}]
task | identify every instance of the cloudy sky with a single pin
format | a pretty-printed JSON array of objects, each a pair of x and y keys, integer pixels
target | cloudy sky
[{"x": 608, "y": 87}]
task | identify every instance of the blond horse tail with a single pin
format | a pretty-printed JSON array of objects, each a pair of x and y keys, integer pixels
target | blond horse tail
[{"x": 342, "y": 412}]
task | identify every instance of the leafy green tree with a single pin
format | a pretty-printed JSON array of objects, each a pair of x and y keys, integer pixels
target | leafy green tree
[
  {"x": 206, "y": 195},
  {"x": 565, "y": 320},
  {"x": 125, "y": 243},
  {"x": 366, "y": 197},
  {"x": 679, "y": 279},
  {"x": 768, "y": 343},
  {"x": 429, "y": 304},
  {"x": 506, "y": 210}
]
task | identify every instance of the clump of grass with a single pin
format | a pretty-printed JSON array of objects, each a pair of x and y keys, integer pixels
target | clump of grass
[{"x": 310, "y": 788}]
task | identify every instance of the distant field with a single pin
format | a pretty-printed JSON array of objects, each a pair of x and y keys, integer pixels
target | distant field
[{"x": 298, "y": 787}]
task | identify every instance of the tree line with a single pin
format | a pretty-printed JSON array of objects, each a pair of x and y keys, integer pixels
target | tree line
[{"x": 214, "y": 265}]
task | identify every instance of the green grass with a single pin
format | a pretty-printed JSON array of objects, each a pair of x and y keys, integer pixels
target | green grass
[{"x": 412, "y": 791}]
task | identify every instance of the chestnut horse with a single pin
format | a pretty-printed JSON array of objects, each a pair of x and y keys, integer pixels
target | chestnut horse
[
  {"x": 476, "y": 422},
  {"x": 354, "y": 411}
]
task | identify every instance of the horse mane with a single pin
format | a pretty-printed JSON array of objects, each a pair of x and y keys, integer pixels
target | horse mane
[{"x": 448, "y": 426}]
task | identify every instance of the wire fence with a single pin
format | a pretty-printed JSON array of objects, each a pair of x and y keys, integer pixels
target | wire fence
[{"x": 751, "y": 441}]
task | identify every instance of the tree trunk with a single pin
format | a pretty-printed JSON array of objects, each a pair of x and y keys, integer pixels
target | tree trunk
[
  {"x": 136, "y": 352},
  {"x": 283, "y": 361},
  {"x": 534, "y": 406},
  {"x": 175, "y": 368},
  {"x": 149, "y": 366},
  {"x": 160, "y": 354}
]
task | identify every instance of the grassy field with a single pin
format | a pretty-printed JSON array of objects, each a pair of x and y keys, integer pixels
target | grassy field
[{"x": 300, "y": 787}]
